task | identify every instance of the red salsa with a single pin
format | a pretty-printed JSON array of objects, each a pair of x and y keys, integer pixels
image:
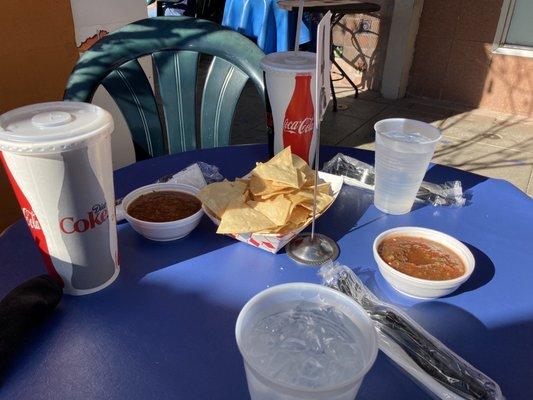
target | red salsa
[
  {"x": 164, "y": 206},
  {"x": 421, "y": 258}
]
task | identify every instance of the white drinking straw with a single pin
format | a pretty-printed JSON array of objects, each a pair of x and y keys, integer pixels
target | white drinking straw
[{"x": 299, "y": 25}]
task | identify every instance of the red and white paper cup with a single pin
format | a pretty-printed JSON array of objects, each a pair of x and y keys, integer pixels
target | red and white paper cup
[
  {"x": 289, "y": 80},
  {"x": 58, "y": 159}
]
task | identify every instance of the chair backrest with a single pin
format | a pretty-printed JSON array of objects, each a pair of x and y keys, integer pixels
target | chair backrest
[{"x": 163, "y": 120}]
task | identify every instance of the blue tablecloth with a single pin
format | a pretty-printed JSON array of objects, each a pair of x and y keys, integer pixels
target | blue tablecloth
[
  {"x": 165, "y": 328},
  {"x": 271, "y": 27}
]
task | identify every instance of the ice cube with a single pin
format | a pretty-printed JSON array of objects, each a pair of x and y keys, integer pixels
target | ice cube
[{"x": 308, "y": 345}]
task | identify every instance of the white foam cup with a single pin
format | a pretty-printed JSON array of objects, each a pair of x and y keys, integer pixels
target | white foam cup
[
  {"x": 281, "y": 298},
  {"x": 291, "y": 75},
  {"x": 58, "y": 160}
]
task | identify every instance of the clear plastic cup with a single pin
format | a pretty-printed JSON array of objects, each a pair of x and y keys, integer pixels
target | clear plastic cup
[
  {"x": 282, "y": 298},
  {"x": 404, "y": 148}
]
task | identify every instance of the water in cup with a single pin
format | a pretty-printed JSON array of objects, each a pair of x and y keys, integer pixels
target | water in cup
[
  {"x": 307, "y": 345},
  {"x": 403, "y": 151},
  {"x": 304, "y": 341}
]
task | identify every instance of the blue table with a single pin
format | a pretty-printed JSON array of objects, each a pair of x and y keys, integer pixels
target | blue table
[
  {"x": 272, "y": 28},
  {"x": 165, "y": 328}
]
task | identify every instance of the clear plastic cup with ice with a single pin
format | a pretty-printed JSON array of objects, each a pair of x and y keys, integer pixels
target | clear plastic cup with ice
[
  {"x": 305, "y": 341},
  {"x": 404, "y": 148}
]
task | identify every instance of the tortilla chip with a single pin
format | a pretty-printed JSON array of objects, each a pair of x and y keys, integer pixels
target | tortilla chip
[
  {"x": 301, "y": 165},
  {"x": 241, "y": 218},
  {"x": 299, "y": 215},
  {"x": 283, "y": 158},
  {"x": 285, "y": 176},
  {"x": 309, "y": 181},
  {"x": 279, "y": 170},
  {"x": 323, "y": 201},
  {"x": 276, "y": 198},
  {"x": 298, "y": 162},
  {"x": 246, "y": 181},
  {"x": 283, "y": 230},
  {"x": 259, "y": 186},
  {"x": 302, "y": 179},
  {"x": 305, "y": 199},
  {"x": 324, "y": 187},
  {"x": 300, "y": 196},
  {"x": 270, "y": 195},
  {"x": 277, "y": 209},
  {"x": 218, "y": 195}
]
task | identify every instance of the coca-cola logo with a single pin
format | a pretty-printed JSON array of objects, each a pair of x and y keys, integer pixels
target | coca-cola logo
[
  {"x": 31, "y": 219},
  {"x": 95, "y": 217},
  {"x": 299, "y": 127}
]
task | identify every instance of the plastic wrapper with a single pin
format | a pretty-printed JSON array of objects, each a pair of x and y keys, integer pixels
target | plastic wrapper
[
  {"x": 446, "y": 194},
  {"x": 358, "y": 173},
  {"x": 198, "y": 175},
  {"x": 430, "y": 363}
]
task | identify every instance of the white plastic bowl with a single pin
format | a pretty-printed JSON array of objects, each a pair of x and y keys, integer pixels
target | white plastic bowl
[
  {"x": 163, "y": 231},
  {"x": 424, "y": 288}
]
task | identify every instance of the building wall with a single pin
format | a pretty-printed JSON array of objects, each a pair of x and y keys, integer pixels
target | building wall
[
  {"x": 38, "y": 52},
  {"x": 453, "y": 61},
  {"x": 362, "y": 42}
]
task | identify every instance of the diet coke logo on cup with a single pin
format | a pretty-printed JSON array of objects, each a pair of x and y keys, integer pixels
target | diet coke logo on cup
[
  {"x": 97, "y": 216},
  {"x": 31, "y": 219},
  {"x": 298, "y": 127}
]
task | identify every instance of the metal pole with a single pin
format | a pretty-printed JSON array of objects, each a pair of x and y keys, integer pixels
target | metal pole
[
  {"x": 298, "y": 25},
  {"x": 316, "y": 183},
  {"x": 317, "y": 163}
]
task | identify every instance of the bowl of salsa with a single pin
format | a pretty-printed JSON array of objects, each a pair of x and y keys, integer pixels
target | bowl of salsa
[
  {"x": 422, "y": 262},
  {"x": 163, "y": 211}
]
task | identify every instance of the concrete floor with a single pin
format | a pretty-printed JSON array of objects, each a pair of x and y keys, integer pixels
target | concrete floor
[{"x": 477, "y": 140}]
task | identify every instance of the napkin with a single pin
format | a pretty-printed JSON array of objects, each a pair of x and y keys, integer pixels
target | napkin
[{"x": 22, "y": 310}]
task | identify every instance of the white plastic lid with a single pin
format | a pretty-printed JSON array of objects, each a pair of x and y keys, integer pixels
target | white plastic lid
[
  {"x": 290, "y": 61},
  {"x": 52, "y": 127}
]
